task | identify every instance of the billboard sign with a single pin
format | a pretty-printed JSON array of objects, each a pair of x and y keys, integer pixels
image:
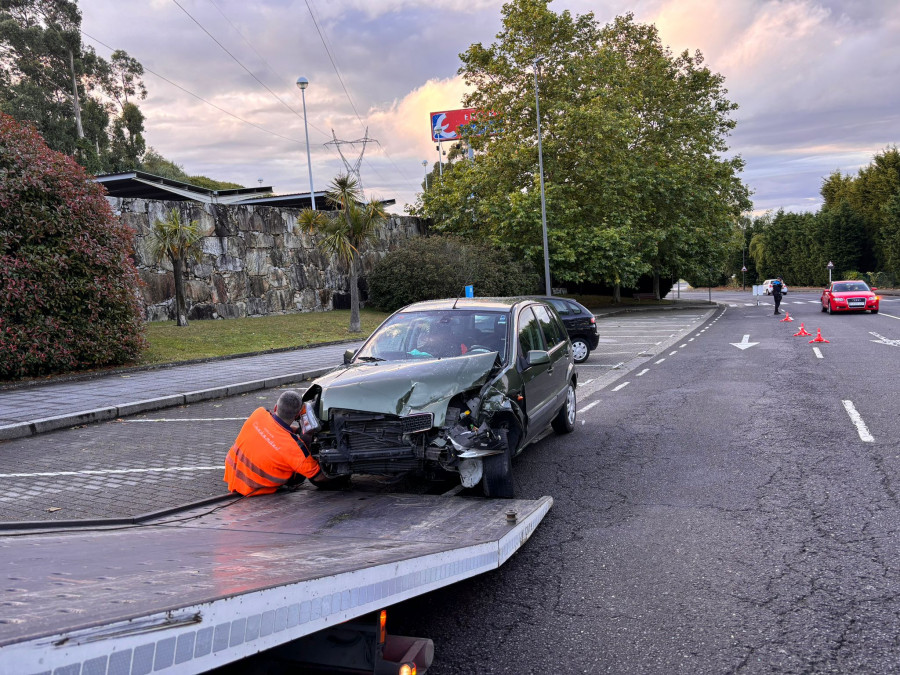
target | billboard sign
[{"x": 445, "y": 124}]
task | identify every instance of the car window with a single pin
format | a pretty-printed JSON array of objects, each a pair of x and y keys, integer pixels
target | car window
[
  {"x": 437, "y": 333},
  {"x": 574, "y": 307},
  {"x": 561, "y": 305},
  {"x": 529, "y": 332},
  {"x": 549, "y": 330}
]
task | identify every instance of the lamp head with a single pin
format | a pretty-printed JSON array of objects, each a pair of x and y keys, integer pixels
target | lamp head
[{"x": 302, "y": 82}]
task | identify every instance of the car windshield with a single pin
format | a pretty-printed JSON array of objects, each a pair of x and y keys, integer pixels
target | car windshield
[
  {"x": 438, "y": 334},
  {"x": 851, "y": 287}
]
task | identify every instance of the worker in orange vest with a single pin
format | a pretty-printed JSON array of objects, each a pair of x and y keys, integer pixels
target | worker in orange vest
[{"x": 268, "y": 453}]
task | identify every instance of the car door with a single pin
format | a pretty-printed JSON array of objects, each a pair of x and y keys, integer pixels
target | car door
[
  {"x": 536, "y": 379},
  {"x": 557, "y": 344}
]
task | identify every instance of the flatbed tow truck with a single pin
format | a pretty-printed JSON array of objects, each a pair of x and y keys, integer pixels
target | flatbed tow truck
[{"x": 216, "y": 583}]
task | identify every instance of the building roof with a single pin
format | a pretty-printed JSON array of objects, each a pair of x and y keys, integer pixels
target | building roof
[{"x": 142, "y": 185}]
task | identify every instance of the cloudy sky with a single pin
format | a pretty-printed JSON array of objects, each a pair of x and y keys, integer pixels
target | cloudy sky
[{"x": 816, "y": 81}]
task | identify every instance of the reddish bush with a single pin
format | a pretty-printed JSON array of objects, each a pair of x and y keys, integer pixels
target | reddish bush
[{"x": 68, "y": 286}]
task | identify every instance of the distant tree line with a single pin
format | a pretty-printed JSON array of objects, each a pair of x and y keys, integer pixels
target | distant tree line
[
  {"x": 83, "y": 105},
  {"x": 857, "y": 229}
]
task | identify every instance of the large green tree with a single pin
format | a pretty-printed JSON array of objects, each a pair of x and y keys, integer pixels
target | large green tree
[
  {"x": 80, "y": 103},
  {"x": 633, "y": 144}
]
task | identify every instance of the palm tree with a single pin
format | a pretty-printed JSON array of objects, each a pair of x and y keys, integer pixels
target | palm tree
[
  {"x": 345, "y": 231},
  {"x": 180, "y": 242}
]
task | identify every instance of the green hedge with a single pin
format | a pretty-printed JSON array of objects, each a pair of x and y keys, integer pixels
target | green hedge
[
  {"x": 441, "y": 267},
  {"x": 68, "y": 286}
]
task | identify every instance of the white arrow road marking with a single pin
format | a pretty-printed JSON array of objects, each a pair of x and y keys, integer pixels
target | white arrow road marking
[
  {"x": 883, "y": 340},
  {"x": 744, "y": 344},
  {"x": 857, "y": 420}
]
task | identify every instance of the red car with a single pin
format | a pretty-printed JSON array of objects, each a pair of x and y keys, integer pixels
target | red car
[{"x": 849, "y": 296}]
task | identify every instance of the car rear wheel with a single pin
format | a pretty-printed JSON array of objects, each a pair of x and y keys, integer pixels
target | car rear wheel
[
  {"x": 564, "y": 422},
  {"x": 580, "y": 350},
  {"x": 828, "y": 308},
  {"x": 823, "y": 308}
]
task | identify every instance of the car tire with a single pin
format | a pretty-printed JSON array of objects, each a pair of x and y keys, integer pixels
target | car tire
[
  {"x": 564, "y": 422},
  {"x": 580, "y": 350},
  {"x": 874, "y": 311},
  {"x": 828, "y": 308},
  {"x": 823, "y": 308},
  {"x": 496, "y": 477}
]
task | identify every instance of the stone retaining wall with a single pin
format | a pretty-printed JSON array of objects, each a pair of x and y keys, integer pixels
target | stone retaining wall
[{"x": 255, "y": 261}]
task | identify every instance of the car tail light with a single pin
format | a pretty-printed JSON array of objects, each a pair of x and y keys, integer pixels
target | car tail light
[
  {"x": 593, "y": 319},
  {"x": 382, "y": 626},
  {"x": 407, "y": 669}
]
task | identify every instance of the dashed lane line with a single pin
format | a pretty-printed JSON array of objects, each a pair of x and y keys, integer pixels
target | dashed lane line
[
  {"x": 589, "y": 406},
  {"x": 645, "y": 370},
  {"x": 105, "y": 472},
  {"x": 890, "y": 316},
  {"x": 660, "y": 361},
  {"x": 673, "y": 353},
  {"x": 621, "y": 386},
  {"x": 818, "y": 353},
  {"x": 857, "y": 420}
]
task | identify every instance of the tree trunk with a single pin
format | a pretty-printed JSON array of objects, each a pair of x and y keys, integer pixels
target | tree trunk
[
  {"x": 617, "y": 294},
  {"x": 656, "y": 284},
  {"x": 75, "y": 102},
  {"x": 354, "y": 298},
  {"x": 180, "y": 311}
]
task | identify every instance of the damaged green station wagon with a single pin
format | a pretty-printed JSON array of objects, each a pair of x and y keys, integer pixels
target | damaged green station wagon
[{"x": 461, "y": 385}]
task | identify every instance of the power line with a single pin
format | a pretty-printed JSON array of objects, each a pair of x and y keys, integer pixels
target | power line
[{"x": 200, "y": 98}]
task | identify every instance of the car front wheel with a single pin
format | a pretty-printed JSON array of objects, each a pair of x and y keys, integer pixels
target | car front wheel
[
  {"x": 580, "y": 350},
  {"x": 823, "y": 308},
  {"x": 874, "y": 311},
  {"x": 564, "y": 422}
]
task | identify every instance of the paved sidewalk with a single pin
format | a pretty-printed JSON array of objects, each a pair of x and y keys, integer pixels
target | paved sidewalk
[{"x": 24, "y": 410}]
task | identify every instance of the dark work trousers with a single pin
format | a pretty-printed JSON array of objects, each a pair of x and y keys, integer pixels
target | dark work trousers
[{"x": 777, "y": 298}]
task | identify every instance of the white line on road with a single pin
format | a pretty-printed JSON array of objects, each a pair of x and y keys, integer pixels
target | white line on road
[
  {"x": 621, "y": 386},
  {"x": 673, "y": 353},
  {"x": 587, "y": 382},
  {"x": 589, "y": 406},
  {"x": 682, "y": 346},
  {"x": 857, "y": 420},
  {"x": 890, "y": 315},
  {"x": 818, "y": 353},
  {"x": 660, "y": 361},
  {"x": 192, "y": 419},
  {"x": 645, "y": 370},
  {"x": 104, "y": 472},
  {"x": 691, "y": 340}
]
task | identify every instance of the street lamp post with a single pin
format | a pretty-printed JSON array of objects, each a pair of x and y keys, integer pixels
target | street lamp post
[
  {"x": 537, "y": 108},
  {"x": 303, "y": 83},
  {"x": 425, "y": 164},
  {"x": 830, "y": 267}
]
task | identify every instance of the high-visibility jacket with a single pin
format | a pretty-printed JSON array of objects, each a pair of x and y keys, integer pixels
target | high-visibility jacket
[{"x": 265, "y": 455}]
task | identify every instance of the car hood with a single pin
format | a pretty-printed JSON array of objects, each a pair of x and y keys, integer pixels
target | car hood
[{"x": 403, "y": 387}]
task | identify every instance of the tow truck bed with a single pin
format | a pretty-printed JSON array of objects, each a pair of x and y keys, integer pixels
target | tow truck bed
[{"x": 216, "y": 584}]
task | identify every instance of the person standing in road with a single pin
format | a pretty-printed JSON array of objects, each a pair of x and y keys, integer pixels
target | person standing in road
[
  {"x": 777, "y": 286},
  {"x": 268, "y": 453}
]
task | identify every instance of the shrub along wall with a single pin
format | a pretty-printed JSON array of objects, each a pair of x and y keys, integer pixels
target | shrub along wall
[{"x": 255, "y": 261}]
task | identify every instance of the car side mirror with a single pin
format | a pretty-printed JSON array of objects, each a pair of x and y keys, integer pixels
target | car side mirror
[
  {"x": 348, "y": 355},
  {"x": 874, "y": 289},
  {"x": 537, "y": 356}
]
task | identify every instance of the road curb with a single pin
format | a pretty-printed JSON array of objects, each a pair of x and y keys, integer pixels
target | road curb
[{"x": 34, "y": 427}]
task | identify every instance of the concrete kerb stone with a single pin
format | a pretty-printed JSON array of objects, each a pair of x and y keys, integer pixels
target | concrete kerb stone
[
  {"x": 151, "y": 404},
  {"x": 74, "y": 419},
  {"x": 10, "y": 432}
]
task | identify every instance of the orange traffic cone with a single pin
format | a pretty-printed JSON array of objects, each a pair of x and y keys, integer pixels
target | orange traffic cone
[
  {"x": 802, "y": 332},
  {"x": 818, "y": 337},
  {"x": 787, "y": 316}
]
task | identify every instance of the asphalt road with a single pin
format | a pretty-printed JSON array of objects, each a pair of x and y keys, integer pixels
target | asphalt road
[
  {"x": 721, "y": 513},
  {"x": 716, "y": 510}
]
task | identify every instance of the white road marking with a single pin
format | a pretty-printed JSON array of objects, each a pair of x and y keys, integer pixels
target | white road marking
[
  {"x": 192, "y": 419},
  {"x": 744, "y": 343},
  {"x": 798, "y": 302},
  {"x": 889, "y": 315},
  {"x": 645, "y": 370},
  {"x": 588, "y": 406},
  {"x": 673, "y": 353},
  {"x": 587, "y": 382},
  {"x": 818, "y": 353},
  {"x": 883, "y": 340},
  {"x": 691, "y": 340},
  {"x": 660, "y": 361},
  {"x": 857, "y": 420},
  {"x": 749, "y": 304},
  {"x": 621, "y": 386},
  {"x": 814, "y": 302},
  {"x": 682, "y": 346},
  {"x": 104, "y": 472}
]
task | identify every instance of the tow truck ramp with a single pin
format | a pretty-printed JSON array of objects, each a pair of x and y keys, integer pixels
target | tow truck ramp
[{"x": 212, "y": 585}]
